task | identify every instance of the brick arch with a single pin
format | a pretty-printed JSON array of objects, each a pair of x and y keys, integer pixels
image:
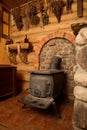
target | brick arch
[{"x": 56, "y": 34}]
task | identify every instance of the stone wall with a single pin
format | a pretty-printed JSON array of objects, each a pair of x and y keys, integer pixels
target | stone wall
[
  {"x": 60, "y": 43},
  {"x": 64, "y": 48},
  {"x": 80, "y": 77}
]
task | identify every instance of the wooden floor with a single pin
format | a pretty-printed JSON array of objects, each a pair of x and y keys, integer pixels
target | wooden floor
[{"x": 13, "y": 117}]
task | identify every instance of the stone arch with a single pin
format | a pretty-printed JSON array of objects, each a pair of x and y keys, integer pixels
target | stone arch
[
  {"x": 65, "y": 45},
  {"x": 57, "y": 34}
]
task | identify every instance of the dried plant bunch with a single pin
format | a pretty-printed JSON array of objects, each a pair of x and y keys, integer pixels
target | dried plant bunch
[
  {"x": 31, "y": 12},
  {"x": 43, "y": 10},
  {"x": 57, "y": 7},
  {"x": 68, "y": 5},
  {"x": 17, "y": 17},
  {"x": 41, "y": 6}
]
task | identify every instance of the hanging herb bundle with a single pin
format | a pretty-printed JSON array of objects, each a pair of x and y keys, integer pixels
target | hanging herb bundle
[
  {"x": 27, "y": 20},
  {"x": 45, "y": 16},
  {"x": 68, "y": 5},
  {"x": 31, "y": 12},
  {"x": 17, "y": 17},
  {"x": 57, "y": 7},
  {"x": 41, "y": 6}
]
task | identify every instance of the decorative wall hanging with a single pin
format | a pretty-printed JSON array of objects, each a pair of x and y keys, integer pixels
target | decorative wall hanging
[
  {"x": 57, "y": 8},
  {"x": 41, "y": 6},
  {"x": 68, "y": 5},
  {"x": 49, "y": 2},
  {"x": 26, "y": 40},
  {"x": 22, "y": 50},
  {"x": 44, "y": 15},
  {"x": 45, "y": 18},
  {"x": 31, "y": 12},
  {"x": 17, "y": 17},
  {"x": 12, "y": 52}
]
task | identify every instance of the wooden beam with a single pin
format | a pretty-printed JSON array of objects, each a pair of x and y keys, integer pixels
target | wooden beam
[{"x": 80, "y": 8}]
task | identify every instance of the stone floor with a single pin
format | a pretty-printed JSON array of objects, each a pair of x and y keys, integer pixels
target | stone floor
[{"x": 13, "y": 117}]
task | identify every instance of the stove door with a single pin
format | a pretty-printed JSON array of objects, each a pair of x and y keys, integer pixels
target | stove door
[{"x": 40, "y": 86}]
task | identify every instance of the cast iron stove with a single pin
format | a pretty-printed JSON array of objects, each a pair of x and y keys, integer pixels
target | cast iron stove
[{"x": 46, "y": 87}]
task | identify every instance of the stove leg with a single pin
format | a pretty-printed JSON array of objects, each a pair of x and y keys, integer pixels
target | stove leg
[
  {"x": 55, "y": 110},
  {"x": 24, "y": 106}
]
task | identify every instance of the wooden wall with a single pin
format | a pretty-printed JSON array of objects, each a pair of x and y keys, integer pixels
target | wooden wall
[{"x": 36, "y": 33}]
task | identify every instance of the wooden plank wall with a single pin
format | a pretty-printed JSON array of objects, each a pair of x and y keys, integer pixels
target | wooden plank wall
[{"x": 36, "y": 33}]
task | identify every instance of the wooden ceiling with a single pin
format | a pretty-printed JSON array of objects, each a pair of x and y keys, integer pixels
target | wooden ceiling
[{"x": 14, "y": 3}]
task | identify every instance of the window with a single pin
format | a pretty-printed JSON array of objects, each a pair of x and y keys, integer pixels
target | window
[{"x": 5, "y": 23}]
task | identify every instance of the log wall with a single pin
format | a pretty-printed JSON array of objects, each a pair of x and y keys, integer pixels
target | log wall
[{"x": 37, "y": 33}]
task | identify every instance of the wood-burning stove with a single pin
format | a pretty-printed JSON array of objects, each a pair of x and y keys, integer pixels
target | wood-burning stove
[{"x": 46, "y": 87}]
